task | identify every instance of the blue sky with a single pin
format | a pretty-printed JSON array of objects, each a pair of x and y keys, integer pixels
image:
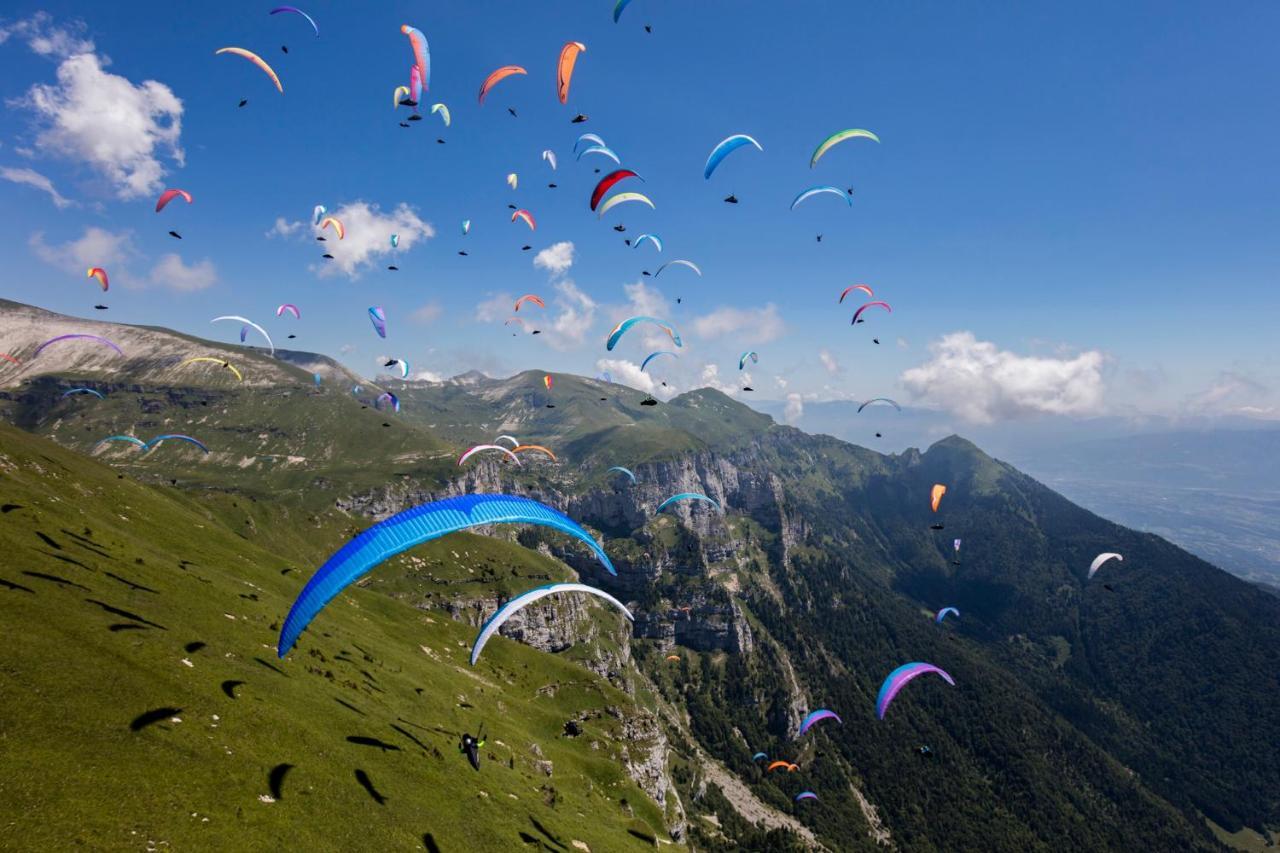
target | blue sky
[{"x": 1082, "y": 202}]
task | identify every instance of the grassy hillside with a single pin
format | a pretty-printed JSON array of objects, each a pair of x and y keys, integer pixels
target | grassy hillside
[{"x": 144, "y": 702}]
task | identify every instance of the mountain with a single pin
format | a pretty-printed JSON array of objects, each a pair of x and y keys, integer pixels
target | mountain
[{"x": 1117, "y": 713}]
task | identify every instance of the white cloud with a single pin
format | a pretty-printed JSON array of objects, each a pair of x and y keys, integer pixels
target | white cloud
[
  {"x": 97, "y": 247},
  {"x": 1230, "y": 393},
  {"x": 368, "y": 236},
  {"x": 285, "y": 228},
  {"x": 556, "y": 259},
  {"x": 32, "y": 178},
  {"x": 627, "y": 373},
  {"x": 47, "y": 39},
  {"x": 981, "y": 383},
  {"x": 710, "y": 378},
  {"x": 794, "y": 409},
  {"x": 171, "y": 272},
  {"x": 577, "y": 314},
  {"x": 495, "y": 308},
  {"x": 750, "y": 325},
  {"x": 903, "y": 343},
  {"x": 427, "y": 376},
  {"x": 104, "y": 120},
  {"x": 428, "y": 313},
  {"x": 347, "y": 349},
  {"x": 829, "y": 361}
]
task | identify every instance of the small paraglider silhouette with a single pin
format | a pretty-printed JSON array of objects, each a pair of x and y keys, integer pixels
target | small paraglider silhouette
[
  {"x": 464, "y": 254},
  {"x": 875, "y": 340},
  {"x": 243, "y": 101},
  {"x": 747, "y": 388},
  {"x": 393, "y": 268},
  {"x": 1108, "y": 587},
  {"x": 291, "y": 337},
  {"x": 925, "y": 752},
  {"x": 878, "y": 435},
  {"x": 648, "y": 28},
  {"x": 285, "y": 48},
  {"x": 551, "y": 186},
  {"x": 525, "y": 248},
  {"x": 578, "y": 119},
  {"x": 175, "y": 235},
  {"x": 322, "y": 239},
  {"x": 648, "y": 401},
  {"x": 620, "y": 228},
  {"x": 819, "y": 238},
  {"x": 404, "y": 124},
  {"x": 415, "y": 117},
  {"x": 935, "y": 527},
  {"x": 512, "y": 110},
  {"x": 439, "y": 141},
  {"x": 100, "y": 307},
  {"x": 327, "y": 256},
  {"x": 731, "y": 199}
]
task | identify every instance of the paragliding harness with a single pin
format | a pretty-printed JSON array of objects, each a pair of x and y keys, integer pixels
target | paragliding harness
[{"x": 470, "y": 746}]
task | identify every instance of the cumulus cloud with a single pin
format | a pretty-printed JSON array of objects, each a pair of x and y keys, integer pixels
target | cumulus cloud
[
  {"x": 495, "y": 308},
  {"x": 46, "y": 38},
  {"x": 794, "y": 410},
  {"x": 982, "y": 383},
  {"x": 103, "y": 120},
  {"x": 829, "y": 361},
  {"x": 285, "y": 228},
  {"x": 368, "y": 236},
  {"x": 577, "y": 313},
  {"x": 751, "y": 325},
  {"x": 96, "y": 247},
  {"x": 627, "y": 373},
  {"x": 32, "y": 178},
  {"x": 556, "y": 259},
  {"x": 171, "y": 272},
  {"x": 710, "y": 378},
  {"x": 428, "y": 313},
  {"x": 427, "y": 376},
  {"x": 347, "y": 349}
]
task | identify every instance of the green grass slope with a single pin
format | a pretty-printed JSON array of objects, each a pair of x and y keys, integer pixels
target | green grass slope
[{"x": 143, "y": 701}]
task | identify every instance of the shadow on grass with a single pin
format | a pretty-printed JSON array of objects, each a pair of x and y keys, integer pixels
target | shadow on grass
[
  {"x": 429, "y": 842},
  {"x": 63, "y": 582},
  {"x": 116, "y": 611},
  {"x": 546, "y": 833},
  {"x": 361, "y": 740},
  {"x": 272, "y": 667},
  {"x": 275, "y": 779},
  {"x": 349, "y": 706},
  {"x": 367, "y": 784},
  {"x": 48, "y": 540},
  {"x": 126, "y": 626},
  {"x": 131, "y": 584},
  {"x": 229, "y": 688},
  {"x": 152, "y": 717},
  {"x": 16, "y": 587},
  {"x": 411, "y": 737}
]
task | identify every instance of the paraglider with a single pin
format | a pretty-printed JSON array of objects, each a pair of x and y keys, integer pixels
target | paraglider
[
  {"x": 101, "y": 275},
  {"x": 942, "y": 614},
  {"x": 879, "y": 400},
  {"x": 750, "y": 354},
  {"x": 778, "y": 765},
  {"x": 395, "y": 241},
  {"x": 626, "y": 471},
  {"x": 651, "y": 356},
  {"x": 256, "y": 60},
  {"x": 74, "y": 337},
  {"x": 379, "y": 320},
  {"x": 564, "y": 69},
  {"x": 621, "y": 329},
  {"x": 1100, "y": 559},
  {"x": 415, "y": 91},
  {"x": 681, "y": 263},
  {"x": 618, "y": 7},
  {"x": 615, "y": 200},
  {"x": 497, "y": 76},
  {"x": 291, "y": 308},
  {"x": 391, "y": 399},
  {"x": 318, "y": 213},
  {"x": 806, "y": 795},
  {"x": 155, "y": 442},
  {"x": 513, "y": 180},
  {"x": 816, "y": 717},
  {"x": 421, "y": 53},
  {"x": 550, "y": 157},
  {"x": 836, "y": 138},
  {"x": 812, "y": 191},
  {"x": 125, "y": 438},
  {"x": 686, "y": 496},
  {"x": 603, "y": 151},
  {"x": 935, "y": 495},
  {"x": 858, "y": 313},
  {"x": 402, "y": 364},
  {"x": 412, "y": 527},
  {"x": 246, "y": 321},
  {"x": 530, "y": 297},
  {"x": 223, "y": 363},
  {"x": 444, "y": 113},
  {"x": 526, "y": 217},
  {"x": 72, "y": 391},
  {"x": 494, "y": 622},
  {"x": 175, "y": 235},
  {"x": 538, "y": 447},
  {"x": 466, "y": 227},
  {"x": 724, "y": 148},
  {"x": 593, "y": 138},
  {"x": 853, "y": 287},
  {"x": 471, "y": 451},
  {"x": 515, "y": 442},
  {"x": 671, "y": 658},
  {"x": 758, "y": 756},
  {"x": 295, "y": 10},
  {"x": 336, "y": 225},
  {"x": 899, "y": 678},
  {"x": 548, "y": 381},
  {"x": 607, "y": 182},
  {"x": 652, "y": 238},
  {"x": 168, "y": 196}
]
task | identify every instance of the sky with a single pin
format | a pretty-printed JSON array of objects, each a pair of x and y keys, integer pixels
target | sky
[{"x": 1073, "y": 210}]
